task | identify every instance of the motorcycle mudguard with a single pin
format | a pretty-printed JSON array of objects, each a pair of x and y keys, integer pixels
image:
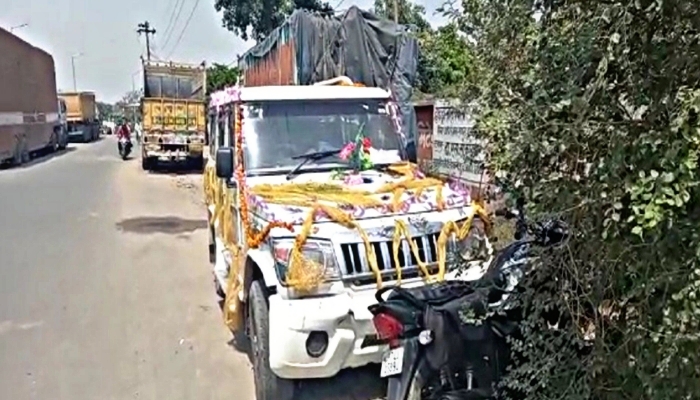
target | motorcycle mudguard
[{"x": 413, "y": 364}]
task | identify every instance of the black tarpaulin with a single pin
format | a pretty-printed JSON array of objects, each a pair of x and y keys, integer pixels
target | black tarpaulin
[{"x": 356, "y": 44}]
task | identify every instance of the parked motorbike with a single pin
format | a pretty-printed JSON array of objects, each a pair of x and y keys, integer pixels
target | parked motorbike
[
  {"x": 124, "y": 147},
  {"x": 443, "y": 342}
]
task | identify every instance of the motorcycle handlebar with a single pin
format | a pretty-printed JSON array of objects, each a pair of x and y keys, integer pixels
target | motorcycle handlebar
[{"x": 549, "y": 232}]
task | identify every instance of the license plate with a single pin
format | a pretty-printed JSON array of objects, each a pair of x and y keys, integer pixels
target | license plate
[{"x": 392, "y": 362}]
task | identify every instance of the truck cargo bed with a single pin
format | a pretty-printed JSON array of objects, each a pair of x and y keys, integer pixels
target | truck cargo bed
[{"x": 28, "y": 105}]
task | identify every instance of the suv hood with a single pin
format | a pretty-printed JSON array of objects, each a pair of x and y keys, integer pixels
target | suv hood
[{"x": 455, "y": 196}]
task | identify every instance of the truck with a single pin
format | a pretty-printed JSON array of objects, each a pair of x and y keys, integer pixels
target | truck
[
  {"x": 29, "y": 114},
  {"x": 173, "y": 108},
  {"x": 81, "y": 116},
  {"x": 300, "y": 235}
]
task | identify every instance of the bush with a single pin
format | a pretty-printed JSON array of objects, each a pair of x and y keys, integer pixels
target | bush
[{"x": 591, "y": 111}]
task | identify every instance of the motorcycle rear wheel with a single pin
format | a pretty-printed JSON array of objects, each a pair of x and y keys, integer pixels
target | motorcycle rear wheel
[{"x": 419, "y": 391}]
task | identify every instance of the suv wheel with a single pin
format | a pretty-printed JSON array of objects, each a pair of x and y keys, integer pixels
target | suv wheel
[
  {"x": 212, "y": 243},
  {"x": 268, "y": 386}
]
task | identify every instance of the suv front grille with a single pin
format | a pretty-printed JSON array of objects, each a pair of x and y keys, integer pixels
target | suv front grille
[{"x": 354, "y": 257}]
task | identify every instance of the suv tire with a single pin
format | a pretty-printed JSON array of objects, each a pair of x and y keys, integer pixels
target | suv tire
[{"x": 268, "y": 386}]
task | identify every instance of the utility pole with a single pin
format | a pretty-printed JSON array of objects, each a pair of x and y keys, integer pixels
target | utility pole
[
  {"x": 72, "y": 63},
  {"x": 146, "y": 28},
  {"x": 396, "y": 12}
]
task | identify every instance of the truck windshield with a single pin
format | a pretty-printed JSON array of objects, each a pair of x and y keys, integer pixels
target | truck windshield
[{"x": 276, "y": 131}]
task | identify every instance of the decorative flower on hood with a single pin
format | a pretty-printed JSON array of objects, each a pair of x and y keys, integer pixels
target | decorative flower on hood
[
  {"x": 347, "y": 150},
  {"x": 357, "y": 153}
]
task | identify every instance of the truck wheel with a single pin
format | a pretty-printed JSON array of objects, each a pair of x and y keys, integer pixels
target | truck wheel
[
  {"x": 26, "y": 156},
  {"x": 198, "y": 163},
  {"x": 21, "y": 155},
  {"x": 62, "y": 139},
  {"x": 17, "y": 158},
  {"x": 146, "y": 163},
  {"x": 53, "y": 144},
  {"x": 268, "y": 386}
]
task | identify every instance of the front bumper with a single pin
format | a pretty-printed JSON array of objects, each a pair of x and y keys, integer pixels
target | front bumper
[{"x": 344, "y": 317}]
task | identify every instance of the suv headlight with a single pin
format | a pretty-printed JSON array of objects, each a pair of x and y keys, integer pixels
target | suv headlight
[
  {"x": 317, "y": 251},
  {"x": 475, "y": 246}
]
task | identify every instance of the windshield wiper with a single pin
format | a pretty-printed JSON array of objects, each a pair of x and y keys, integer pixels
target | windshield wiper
[{"x": 306, "y": 158}]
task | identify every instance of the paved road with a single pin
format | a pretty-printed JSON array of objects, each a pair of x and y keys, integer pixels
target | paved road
[
  {"x": 106, "y": 292},
  {"x": 99, "y": 298}
]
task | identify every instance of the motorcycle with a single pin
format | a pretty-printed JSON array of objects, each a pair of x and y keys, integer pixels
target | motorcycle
[
  {"x": 444, "y": 344},
  {"x": 125, "y": 146}
]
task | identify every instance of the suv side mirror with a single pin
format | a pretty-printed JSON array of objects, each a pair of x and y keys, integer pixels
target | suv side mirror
[{"x": 224, "y": 162}]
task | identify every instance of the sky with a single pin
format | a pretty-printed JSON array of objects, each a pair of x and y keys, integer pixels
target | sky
[{"x": 102, "y": 36}]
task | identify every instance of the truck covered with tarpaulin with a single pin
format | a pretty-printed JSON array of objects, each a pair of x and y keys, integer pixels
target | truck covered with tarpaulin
[{"x": 312, "y": 47}]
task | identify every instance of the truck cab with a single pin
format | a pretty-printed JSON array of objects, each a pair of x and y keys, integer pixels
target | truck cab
[{"x": 301, "y": 240}]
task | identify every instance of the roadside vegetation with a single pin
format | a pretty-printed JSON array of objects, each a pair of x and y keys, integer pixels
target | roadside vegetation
[{"x": 590, "y": 109}]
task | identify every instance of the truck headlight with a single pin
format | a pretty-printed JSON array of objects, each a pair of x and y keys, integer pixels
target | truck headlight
[
  {"x": 316, "y": 251},
  {"x": 475, "y": 246}
]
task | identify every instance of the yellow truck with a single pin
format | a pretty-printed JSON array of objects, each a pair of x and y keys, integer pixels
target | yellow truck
[
  {"x": 81, "y": 116},
  {"x": 174, "y": 114}
]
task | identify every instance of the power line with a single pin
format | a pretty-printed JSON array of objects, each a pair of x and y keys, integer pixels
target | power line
[
  {"x": 174, "y": 16},
  {"x": 184, "y": 29},
  {"x": 172, "y": 4}
]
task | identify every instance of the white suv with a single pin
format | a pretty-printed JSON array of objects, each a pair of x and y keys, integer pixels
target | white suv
[{"x": 314, "y": 334}]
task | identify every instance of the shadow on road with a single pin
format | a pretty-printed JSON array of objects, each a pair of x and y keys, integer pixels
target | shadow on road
[
  {"x": 168, "y": 225},
  {"x": 174, "y": 169},
  {"x": 80, "y": 141},
  {"x": 350, "y": 384},
  {"x": 40, "y": 157}
]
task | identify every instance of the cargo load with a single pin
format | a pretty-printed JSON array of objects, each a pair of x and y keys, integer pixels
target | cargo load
[
  {"x": 29, "y": 121},
  {"x": 309, "y": 48}
]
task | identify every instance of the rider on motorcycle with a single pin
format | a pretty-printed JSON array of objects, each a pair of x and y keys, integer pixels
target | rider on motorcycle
[
  {"x": 124, "y": 140},
  {"x": 123, "y": 131}
]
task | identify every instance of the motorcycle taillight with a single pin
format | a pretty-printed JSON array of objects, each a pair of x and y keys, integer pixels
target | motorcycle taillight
[{"x": 388, "y": 328}]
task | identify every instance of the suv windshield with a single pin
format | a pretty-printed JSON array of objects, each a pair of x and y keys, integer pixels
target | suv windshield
[{"x": 276, "y": 131}]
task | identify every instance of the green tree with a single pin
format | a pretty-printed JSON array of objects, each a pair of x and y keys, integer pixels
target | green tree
[
  {"x": 591, "y": 110},
  {"x": 445, "y": 63},
  {"x": 410, "y": 14},
  {"x": 445, "y": 58},
  {"x": 220, "y": 76},
  {"x": 128, "y": 106},
  {"x": 255, "y": 19},
  {"x": 105, "y": 110}
]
